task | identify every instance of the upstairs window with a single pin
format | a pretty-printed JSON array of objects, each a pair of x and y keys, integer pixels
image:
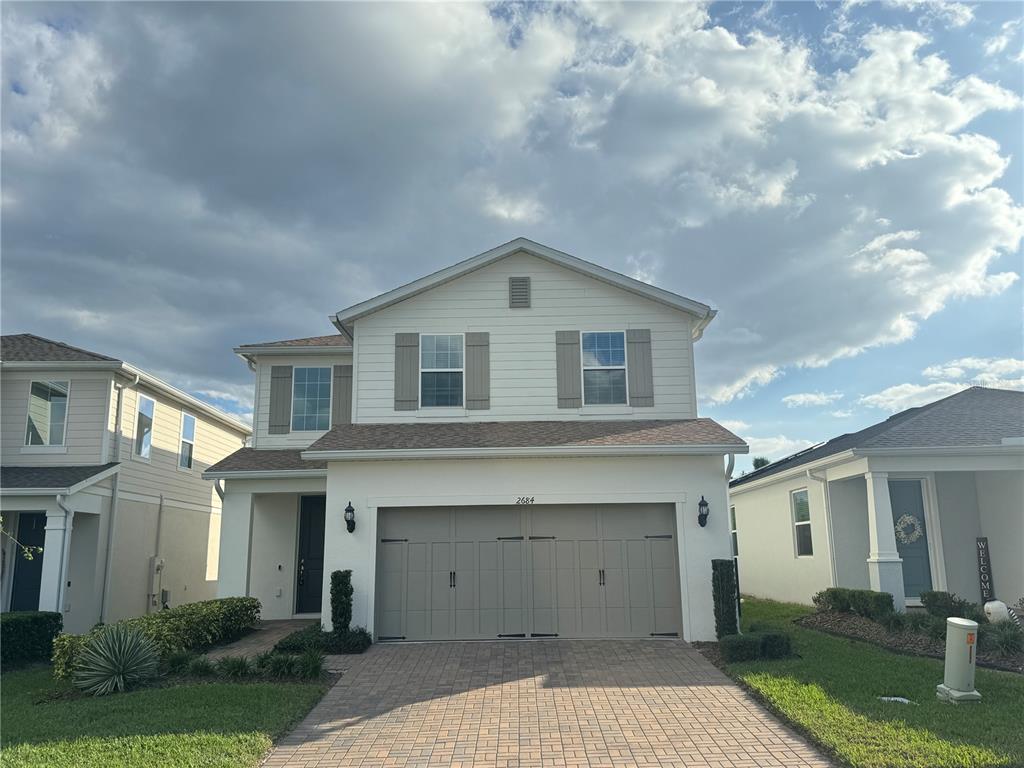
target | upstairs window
[
  {"x": 311, "y": 400},
  {"x": 144, "y": 427},
  {"x": 802, "y": 523},
  {"x": 604, "y": 368},
  {"x": 188, "y": 440},
  {"x": 47, "y": 412},
  {"x": 441, "y": 370}
]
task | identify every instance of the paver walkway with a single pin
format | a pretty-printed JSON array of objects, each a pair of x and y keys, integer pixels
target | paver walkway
[
  {"x": 262, "y": 639},
  {"x": 539, "y": 703}
]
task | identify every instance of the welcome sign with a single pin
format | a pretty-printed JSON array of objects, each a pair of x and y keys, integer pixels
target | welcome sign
[{"x": 988, "y": 591}]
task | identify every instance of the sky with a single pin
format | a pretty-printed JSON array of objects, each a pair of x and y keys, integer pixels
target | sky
[{"x": 843, "y": 182}]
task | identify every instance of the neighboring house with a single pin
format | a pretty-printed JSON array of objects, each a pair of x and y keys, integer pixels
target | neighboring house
[
  {"x": 515, "y": 439},
  {"x": 897, "y": 507},
  {"x": 102, "y": 468}
]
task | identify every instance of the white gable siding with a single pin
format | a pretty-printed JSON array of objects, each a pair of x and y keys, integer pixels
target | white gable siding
[
  {"x": 523, "y": 377},
  {"x": 261, "y": 409}
]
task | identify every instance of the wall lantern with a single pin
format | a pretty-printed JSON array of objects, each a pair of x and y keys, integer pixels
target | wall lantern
[
  {"x": 350, "y": 518},
  {"x": 703, "y": 508}
]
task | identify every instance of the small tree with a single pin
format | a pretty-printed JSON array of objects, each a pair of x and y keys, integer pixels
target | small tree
[
  {"x": 760, "y": 461},
  {"x": 723, "y": 592},
  {"x": 341, "y": 601}
]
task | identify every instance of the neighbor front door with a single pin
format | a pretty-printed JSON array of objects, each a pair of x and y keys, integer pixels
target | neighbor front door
[
  {"x": 911, "y": 535},
  {"x": 28, "y": 573},
  {"x": 310, "y": 581}
]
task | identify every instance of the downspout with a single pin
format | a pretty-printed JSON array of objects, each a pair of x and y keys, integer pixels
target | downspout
[
  {"x": 218, "y": 486},
  {"x": 157, "y": 582},
  {"x": 114, "y": 499},
  {"x": 729, "y": 467},
  {"x": 65, "y": 550},
  {"x": 827, "y": 498}
]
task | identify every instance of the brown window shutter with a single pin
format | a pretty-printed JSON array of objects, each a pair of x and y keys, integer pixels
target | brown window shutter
[
  {"x": 341, "y": 395},
  {"x": 478, "y": 371},
  {"x": 407, "y": 371},
  {"x": 640, "y": 365},
  {"x": 280, "y": 400},
  {"x": 567, "y": 366}
]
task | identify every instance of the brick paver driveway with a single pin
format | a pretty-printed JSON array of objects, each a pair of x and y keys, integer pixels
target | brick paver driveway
[{"x": 539, "y": 703}]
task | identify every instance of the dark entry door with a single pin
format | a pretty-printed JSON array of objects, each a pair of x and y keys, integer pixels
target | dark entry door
[
  {"x": 911, "y": 535},
  {"x": 311, "y": 554},
  {"x": 28, "y": 573}
]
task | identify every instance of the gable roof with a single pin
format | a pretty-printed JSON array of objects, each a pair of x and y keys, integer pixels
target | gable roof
[
  {"x": 27, "y": 347},
  {"x": 53, "y": 480},
  {"x": 344, "y": 318},
  {"x": 975, "y": 417}
]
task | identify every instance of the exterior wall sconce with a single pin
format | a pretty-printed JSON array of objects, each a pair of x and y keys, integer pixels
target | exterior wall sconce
[
  {"x": 350, "y": 518},
  {"x": 703, "y": 509}
]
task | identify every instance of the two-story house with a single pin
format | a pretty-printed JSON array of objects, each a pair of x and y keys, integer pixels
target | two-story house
[
  {"x": 508, "y": 447},
  {"x": 102, "y": 468}
]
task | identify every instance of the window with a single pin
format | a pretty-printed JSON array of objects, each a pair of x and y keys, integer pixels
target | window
[
  {"x": 604, "y": 368},
  {"x": 144, "y": 427},
  {"x": 188, "y": 440},
  {"x": 47, "y": 412},
  {"x": 441, "y": 371},
  {"x": 311, "y": 400},
  {"x": 802, "y": 523},
  {"x": 732, "y": 531}
]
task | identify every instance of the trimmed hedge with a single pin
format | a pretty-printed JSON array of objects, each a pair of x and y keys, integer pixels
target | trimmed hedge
[
  {"x": 27, "y": 636},
  {"x": 723, "y": 592},
  {"x": 755, "y": 645},
  {"x": 947, "y": 604},
  {"x": 356, "y": 640},
  {"x": 341, "y": 600},
  {"x": 187, "y": 627},
  {"x": 863, "y": 602}
]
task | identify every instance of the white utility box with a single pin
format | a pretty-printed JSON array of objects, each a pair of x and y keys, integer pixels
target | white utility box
[{"x": 961, "y": 649}]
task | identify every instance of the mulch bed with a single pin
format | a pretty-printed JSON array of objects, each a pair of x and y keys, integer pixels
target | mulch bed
[{"x": 911, "y": 643}]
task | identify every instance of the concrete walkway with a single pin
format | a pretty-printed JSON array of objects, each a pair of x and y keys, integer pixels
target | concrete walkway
[
  {"x": 266, "y": 635},
  {"x": 539, "y": 703}
]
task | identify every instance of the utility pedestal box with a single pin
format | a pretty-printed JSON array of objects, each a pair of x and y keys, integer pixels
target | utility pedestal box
[{"x": 961, "y": 649}]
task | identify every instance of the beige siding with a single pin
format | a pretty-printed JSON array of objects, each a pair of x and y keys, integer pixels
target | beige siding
[
  {"x": 161, "y": 475},
  {"x": 261, "y": 409},
  {"x": 522, "y": 341},
  {"x": 86, "y": 418}
]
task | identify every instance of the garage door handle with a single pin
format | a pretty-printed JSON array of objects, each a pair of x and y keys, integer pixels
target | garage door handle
[{"x": 600, "y": 577}]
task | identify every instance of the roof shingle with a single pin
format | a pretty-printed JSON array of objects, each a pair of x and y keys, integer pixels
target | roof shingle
[
  {"x": 253, "y": 460},
  {"x": 50, "y": 478},
  {"x": 27, "y": 347},
  {"x": 333, "y": 340}
]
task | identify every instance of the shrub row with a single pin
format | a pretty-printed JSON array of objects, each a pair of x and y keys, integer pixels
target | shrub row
[
  {"x": 27, "y": 636},
  {"x": 308, "y": 665},
  {"x": 189, "y": 626},
  {"x": 755, "y": 645},
  {"x": 945, "y": 605},
  {"x": 863, "y": 602},
  {"x": 355, "y": 640}
]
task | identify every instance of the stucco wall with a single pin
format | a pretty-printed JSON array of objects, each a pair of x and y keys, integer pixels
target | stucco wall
[
  {"x": 958, "y": 516},
  {"x": 272, "y": 567},
  {"x": 849, "y": 500},
  {"x": 1001, "y": 505}
]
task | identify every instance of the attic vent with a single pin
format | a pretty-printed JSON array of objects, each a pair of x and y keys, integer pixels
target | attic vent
[{"x": 518, "y": 292}]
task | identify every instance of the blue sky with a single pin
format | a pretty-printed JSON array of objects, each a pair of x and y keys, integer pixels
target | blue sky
[{"x": 842, "y": 181}]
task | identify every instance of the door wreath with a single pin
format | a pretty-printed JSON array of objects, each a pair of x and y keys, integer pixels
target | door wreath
[{"x": 908, "y": 529}]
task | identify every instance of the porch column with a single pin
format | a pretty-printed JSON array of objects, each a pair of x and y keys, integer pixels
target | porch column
[
  {"x": 235, "y": 545},
  {"x": 885, "y": 567},
  {"x": 58, "y": 528}
]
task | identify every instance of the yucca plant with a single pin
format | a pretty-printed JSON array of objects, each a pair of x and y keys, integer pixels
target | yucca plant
[{"x": 114, "y": 660}]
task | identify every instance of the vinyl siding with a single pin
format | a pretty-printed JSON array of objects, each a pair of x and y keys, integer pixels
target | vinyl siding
[
  {"x": 261, "y": 419},
  {"x": 522, "y": 342},
  {"x": 86, "y": 418}
]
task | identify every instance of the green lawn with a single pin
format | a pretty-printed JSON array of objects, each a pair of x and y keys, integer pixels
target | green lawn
[
  {"x": 830, "y": 693},
  {"x": 207, "y": 724}
]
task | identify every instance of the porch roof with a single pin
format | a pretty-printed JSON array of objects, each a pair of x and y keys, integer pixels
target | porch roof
[
  {"x": 247, "y": 460},
  {"x": 53, "y": 479}
]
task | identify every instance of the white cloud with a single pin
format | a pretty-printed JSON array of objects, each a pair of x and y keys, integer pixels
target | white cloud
[
  {"x": 734, "y": 425},
  {"x": 999, "y": 42},
  {"x": 841, "y": 414},
  {"x": 999, "y": 373},
  {"x": 903, "y": 396},
  {"x": 776, "y": 447},
  {"x": 804, "y": 399}
]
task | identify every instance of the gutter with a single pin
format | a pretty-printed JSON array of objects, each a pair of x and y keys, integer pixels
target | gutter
[
  {"x": 65, "y": 550},
  {"x": 521, "y": 452},
  {"x": 260, "y": 474},
  {"x": 826, "y": 462}
]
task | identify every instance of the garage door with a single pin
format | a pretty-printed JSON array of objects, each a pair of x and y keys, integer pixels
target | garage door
[{"x": 537, "y": 571}]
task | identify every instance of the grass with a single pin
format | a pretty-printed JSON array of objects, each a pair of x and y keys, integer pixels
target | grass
[
  {"x": 201, "y": 724},
  {"x": 830, "y": 692}
]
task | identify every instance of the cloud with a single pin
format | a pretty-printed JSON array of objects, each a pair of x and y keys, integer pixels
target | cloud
[
  {"x": 999, "y": 373},
  {"x": 903, "y": 396},
  {"x": 1000, "y": 41},
  {"x": 804, "y": 399},
  {"x": 841, "y": 414},
  {"x": 235, "y": 172},
  {"x": 777, "y": 447}
]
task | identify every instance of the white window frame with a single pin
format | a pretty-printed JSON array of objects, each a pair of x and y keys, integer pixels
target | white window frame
[
  {"x": 330, "y": 400},
  {"x": 422, "y": 370},
  {"x": 135, "y": 434},
  {"x": 794, "y": 523},
  {"x": 624, "y": 368},
  {"x": 62, "y": 446},
  {"x": 183, "y": 439},
  {"x": 734, "y": 540}
]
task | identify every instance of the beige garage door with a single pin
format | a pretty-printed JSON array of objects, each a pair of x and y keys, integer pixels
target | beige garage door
[{"x": 532, "y": 571}]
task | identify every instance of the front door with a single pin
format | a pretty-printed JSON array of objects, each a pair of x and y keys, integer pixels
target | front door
[
  {"x": 310, "y": 581},
  {"x": 911, "y": 535},
  {"x": 28, "y": 573}
]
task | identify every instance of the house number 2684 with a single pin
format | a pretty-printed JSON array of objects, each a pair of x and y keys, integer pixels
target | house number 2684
[{"x": 524, "y": 499}]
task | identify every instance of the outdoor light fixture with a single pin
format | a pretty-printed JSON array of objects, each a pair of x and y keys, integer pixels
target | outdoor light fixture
[
  {"x": 350, "y": 518},
  {"x": 703, "y": 508}
]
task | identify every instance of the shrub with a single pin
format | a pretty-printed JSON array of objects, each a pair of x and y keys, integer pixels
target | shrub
[
  {"x": 233, "y": 667},
  {"x": 27, "y": 636},
  {"x": 1005, "y": 638},
  {"x": 177, "y": 662},
  {"x": 775, "y": 645},
  {"x": 341, "y": 600},
  {"x": 723, "y": 592},
  {"x": 281, "y": 665},
  {"x": 302, "y": 639},
  {"x": 917, "y": 621},
  {"x": 740, "y": 647},
  {"x": 935, "y": 628},
  {"x": 201, "y": 666},
  {"x": 893, "y": 622},
  {"x": 946, "y": 604},
  {"x": 116, "y": 659},
  {"x": 310, "y": 665},
  {"x": 833, "y": 599},
  {"x": 262, "y": 660},
  {"x": 863, "y": 602},
  {"x": 356, "y": 640},
  {"x": 186, "y": 627}
]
